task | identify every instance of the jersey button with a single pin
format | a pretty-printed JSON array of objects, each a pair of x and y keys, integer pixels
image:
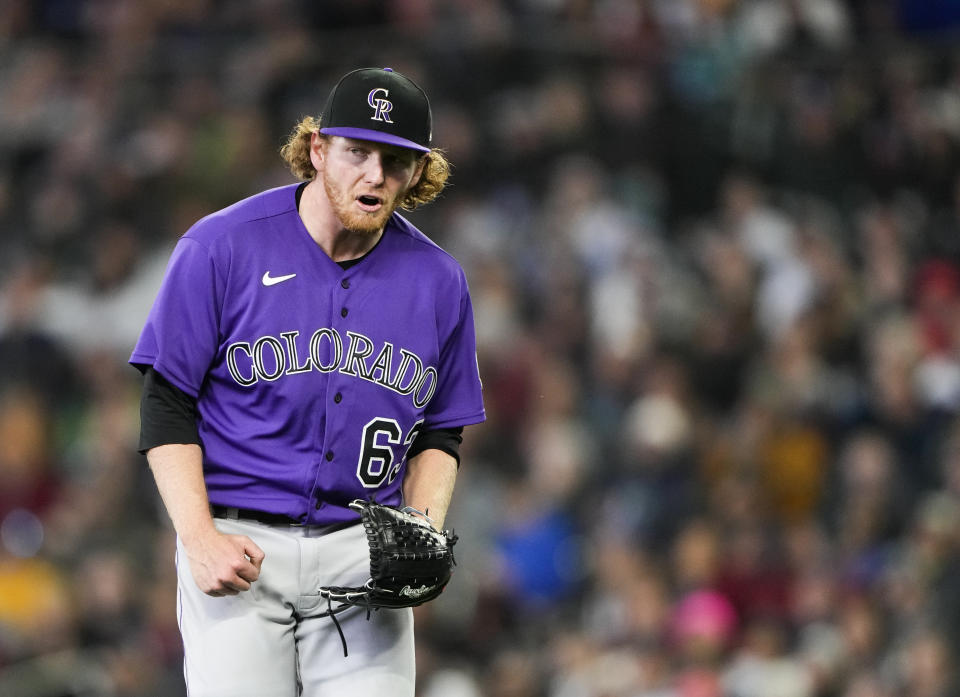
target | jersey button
[
  {"x": 345, "y": 283},
  {"x": 338, "y": 398},
  {"x": 329, "y": 455},
  {"x": 343, "y": 312}
]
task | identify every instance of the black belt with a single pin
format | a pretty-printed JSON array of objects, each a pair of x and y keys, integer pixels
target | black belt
[{"x": 248, "y": 514}]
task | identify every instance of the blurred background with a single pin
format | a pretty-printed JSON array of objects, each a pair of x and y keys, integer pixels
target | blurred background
[{"x": 714, "y": 253}]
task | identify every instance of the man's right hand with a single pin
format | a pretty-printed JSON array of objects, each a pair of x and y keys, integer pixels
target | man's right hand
[
  {"x": 224, "y": 564},
  {"x": 221, "y": 564}
]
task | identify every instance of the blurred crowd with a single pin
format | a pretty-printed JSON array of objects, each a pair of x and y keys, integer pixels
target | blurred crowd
[{"x": 714, "y": 253}]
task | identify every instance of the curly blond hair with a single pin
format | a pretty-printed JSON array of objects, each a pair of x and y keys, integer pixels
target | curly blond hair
[{"x": 296, "y": 153}]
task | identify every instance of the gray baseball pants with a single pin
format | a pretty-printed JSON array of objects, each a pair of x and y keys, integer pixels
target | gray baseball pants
[{"x": 270, "y": 642}]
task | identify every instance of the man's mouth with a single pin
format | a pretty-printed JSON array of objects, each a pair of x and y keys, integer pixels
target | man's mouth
[{"x": 369, "y": 202}]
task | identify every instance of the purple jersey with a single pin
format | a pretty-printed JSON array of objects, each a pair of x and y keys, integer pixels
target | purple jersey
[{"x": 311, "y": 380}]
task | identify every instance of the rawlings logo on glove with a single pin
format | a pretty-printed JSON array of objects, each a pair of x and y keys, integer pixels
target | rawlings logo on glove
[{"x": 415, "y": 592}]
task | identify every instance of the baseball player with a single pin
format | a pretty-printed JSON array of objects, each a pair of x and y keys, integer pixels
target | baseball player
[{"x": 308, "y": 347}]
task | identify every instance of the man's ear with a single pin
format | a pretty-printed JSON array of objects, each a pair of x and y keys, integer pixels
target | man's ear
[
  {"x": 418, "y": 172},
  {"x": 317, "y": 152}
]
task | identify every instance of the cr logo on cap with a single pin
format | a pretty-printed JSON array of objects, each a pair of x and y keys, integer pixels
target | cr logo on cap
[{"x": 381, "y": 107}]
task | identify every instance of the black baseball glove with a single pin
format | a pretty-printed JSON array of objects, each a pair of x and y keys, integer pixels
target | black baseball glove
[{"x": 410, "y": 561}]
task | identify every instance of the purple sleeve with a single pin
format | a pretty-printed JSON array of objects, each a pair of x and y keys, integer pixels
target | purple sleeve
[
  {"x": 458, "y": 400},
  {"x": 180, "y": 337}
]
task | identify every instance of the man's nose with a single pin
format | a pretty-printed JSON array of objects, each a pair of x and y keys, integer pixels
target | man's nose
[{"x": 374, "y": 168}]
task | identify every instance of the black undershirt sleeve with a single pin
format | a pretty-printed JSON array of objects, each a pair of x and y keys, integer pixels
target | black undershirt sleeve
[
  {"x": 167, "y": 413},
  {"x": 446, "y": 439}
]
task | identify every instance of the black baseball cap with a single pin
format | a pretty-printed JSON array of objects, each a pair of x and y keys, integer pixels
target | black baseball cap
[{"x": 379, "y": 104}]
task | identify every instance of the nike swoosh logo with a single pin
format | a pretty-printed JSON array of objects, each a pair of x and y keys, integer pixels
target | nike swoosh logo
[{"x": 269, "y": 280}]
